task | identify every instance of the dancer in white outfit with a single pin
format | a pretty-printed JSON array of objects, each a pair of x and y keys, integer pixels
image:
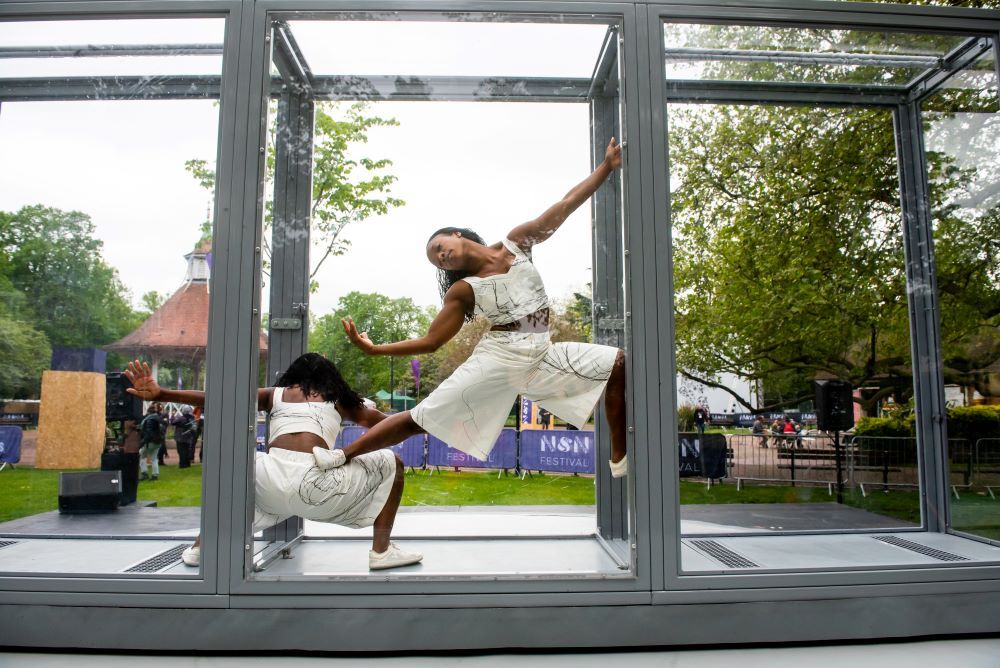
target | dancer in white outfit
[
  {"x": 499, "y": 282},
  {"x": 297, "y": 476}
]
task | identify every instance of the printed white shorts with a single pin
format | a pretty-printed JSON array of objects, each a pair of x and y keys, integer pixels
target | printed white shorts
[
  {"x": 468, "y": 410},
  {"x": 288, "y": 483}
]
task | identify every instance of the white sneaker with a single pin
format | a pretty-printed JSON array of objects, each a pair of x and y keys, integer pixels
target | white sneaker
[
  {"x": 619, "y": 469},
  {"x": 392, "y": 558},
  {"x": 192, "y": 555}
]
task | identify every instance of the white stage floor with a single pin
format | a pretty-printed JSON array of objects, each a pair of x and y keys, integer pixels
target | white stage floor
[{"x": 507, "y": 542}]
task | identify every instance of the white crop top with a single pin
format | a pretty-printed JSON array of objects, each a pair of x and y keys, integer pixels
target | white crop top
[
  {"x": 293, "y": 417},
  {"x": 506, "y": 298}
]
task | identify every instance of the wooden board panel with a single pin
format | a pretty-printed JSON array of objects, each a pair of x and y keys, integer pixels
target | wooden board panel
[{"x": 71, "y": 420}]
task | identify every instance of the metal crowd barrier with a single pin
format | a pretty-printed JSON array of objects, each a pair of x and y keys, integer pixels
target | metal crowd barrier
[
  {"x": 785, "y": 458},
  {"x": 986, "y": 467},
  {"x": 974, "y": 465},
  {"x": 883, "y": 462},
  {"x": 867, "y": 462}
]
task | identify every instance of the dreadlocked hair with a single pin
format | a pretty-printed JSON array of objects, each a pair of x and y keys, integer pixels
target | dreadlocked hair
[
  {"x": 448, "y": 277},
  {"x": 315, "y": 374}
]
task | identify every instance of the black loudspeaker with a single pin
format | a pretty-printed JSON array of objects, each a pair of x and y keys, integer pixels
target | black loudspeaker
[
  {"x": 89, "y": 491},
  {"x": 119, "y": 404},
  {"x": 834, "y": 405}
]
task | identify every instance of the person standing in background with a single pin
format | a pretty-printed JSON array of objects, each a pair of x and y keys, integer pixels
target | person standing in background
[{"x": 700, "y": 420}]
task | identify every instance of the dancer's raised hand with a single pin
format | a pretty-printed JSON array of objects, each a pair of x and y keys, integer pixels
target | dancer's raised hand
[
  {"x": 361, "y": 339},
  {"x": 144, "y": 385},
  {"x": 613, "y": 154}
]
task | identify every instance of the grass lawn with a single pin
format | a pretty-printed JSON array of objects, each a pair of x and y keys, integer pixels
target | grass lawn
[
  {"x": 26, "y": 491},
  {"x": 976, "y": 513},
  {"x": 485, "y": 489},
  {"x": 903, "y": 505}
]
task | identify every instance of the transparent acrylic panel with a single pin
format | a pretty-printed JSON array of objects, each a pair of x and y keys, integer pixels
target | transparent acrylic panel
[
  {"x": 142, "y": 48},
  {"x": 962, "y": 138},
  {"x": 441, "y": 48},
  {"x": 105, "y": 255},
  {"x": 394, "y": 144},
  {"x": 788, "y": 268},
  {"x": 801, "y": 55}
]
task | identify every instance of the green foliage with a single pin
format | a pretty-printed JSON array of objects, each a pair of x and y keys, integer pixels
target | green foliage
[
  {"x": 153, "y": 300},
  {"x": 788, "y": 247},
  {"x": 346, "y": 189},
  {"x": 787, "y": 231},
  {"x": 385, "y": 320},
  {"x": 55, "y": 290},
  {"x": 53, "y": 259},
  {"x": 580, "y": 310},
  {"x": 884, "y": 426},
  {"x": 24, "y": 351},
  {"x": 974, "y": 422},
  {"x": 685, "y": 417}
]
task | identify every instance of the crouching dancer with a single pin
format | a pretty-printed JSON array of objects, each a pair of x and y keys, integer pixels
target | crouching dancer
[{"x": 300, "y": 475}]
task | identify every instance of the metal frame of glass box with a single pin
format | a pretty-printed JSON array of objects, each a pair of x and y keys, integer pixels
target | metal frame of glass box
[{"x": 226, "y": 608}]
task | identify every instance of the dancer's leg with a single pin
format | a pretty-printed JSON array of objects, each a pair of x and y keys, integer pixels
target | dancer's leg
[
  {"x": 390, "y": 431},
  {"x": 382, "y": 529},
  {"x": 614, "y": 407}
]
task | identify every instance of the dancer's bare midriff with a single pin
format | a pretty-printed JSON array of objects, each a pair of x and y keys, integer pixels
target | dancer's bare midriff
[
  {"x": 533, "y": 322},
  {"x": 303, "y": 441}
]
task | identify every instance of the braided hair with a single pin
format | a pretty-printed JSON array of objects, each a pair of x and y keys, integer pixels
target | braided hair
[
  {"x": 448, "y": 277},
  {"x": 315, "y": 374}
]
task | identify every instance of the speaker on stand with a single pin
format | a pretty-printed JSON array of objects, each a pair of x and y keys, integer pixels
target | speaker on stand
[
  {"x": 120, "y": 406},
  {"x": 835, "y": 412}
]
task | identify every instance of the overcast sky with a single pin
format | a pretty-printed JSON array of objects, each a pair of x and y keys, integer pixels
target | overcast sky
[{"x": 488, "y": 166}]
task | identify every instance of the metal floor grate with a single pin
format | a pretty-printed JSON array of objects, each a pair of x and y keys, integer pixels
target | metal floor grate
[
  {"x": 6, "y": 543},
  {"x": 159, "y": 561},
  {"x": 723, "y": 554},
  {"x": 940, "y": 555}
]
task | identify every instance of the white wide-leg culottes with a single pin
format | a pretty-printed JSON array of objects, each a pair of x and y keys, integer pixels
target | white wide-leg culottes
[
  {"x": 468, "y": 410},
  {"x": 288, "y": 483}
]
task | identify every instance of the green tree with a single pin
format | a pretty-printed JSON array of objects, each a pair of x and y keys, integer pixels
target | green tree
[
  {"x": 788, "y": 246},
  {"x": 24, "y": 351},
  {"x": 53, "y": 259},
  {"x": 385, "y": 319},
  {"x": 152, "y": 300},
  {"x": 579, "y": 311},
  {"x": 346, "y": 189},
  {"x": 788, "y": 233}
]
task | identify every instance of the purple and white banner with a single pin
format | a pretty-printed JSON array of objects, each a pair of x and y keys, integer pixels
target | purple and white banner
[
  {"x": 503, "y": 455},
  {"x": 411, "y": 451},
  {"x": 566, "y": 451}
]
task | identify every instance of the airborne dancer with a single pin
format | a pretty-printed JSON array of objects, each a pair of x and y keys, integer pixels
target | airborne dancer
[{"x": 516, "y": 356}]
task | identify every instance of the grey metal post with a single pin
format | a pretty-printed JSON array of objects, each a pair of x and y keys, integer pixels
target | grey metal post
[
  {"x": 925, "y": 336},
  {"x": 289, "y": 324},
  {"x": 608, "y": 303}
]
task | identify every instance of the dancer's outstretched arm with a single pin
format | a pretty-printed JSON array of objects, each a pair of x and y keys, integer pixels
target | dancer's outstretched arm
[
  {"x": 538, "y": 230},
  {"x": 457, "y": 302},
  {"x": 146, "y": 388}
]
